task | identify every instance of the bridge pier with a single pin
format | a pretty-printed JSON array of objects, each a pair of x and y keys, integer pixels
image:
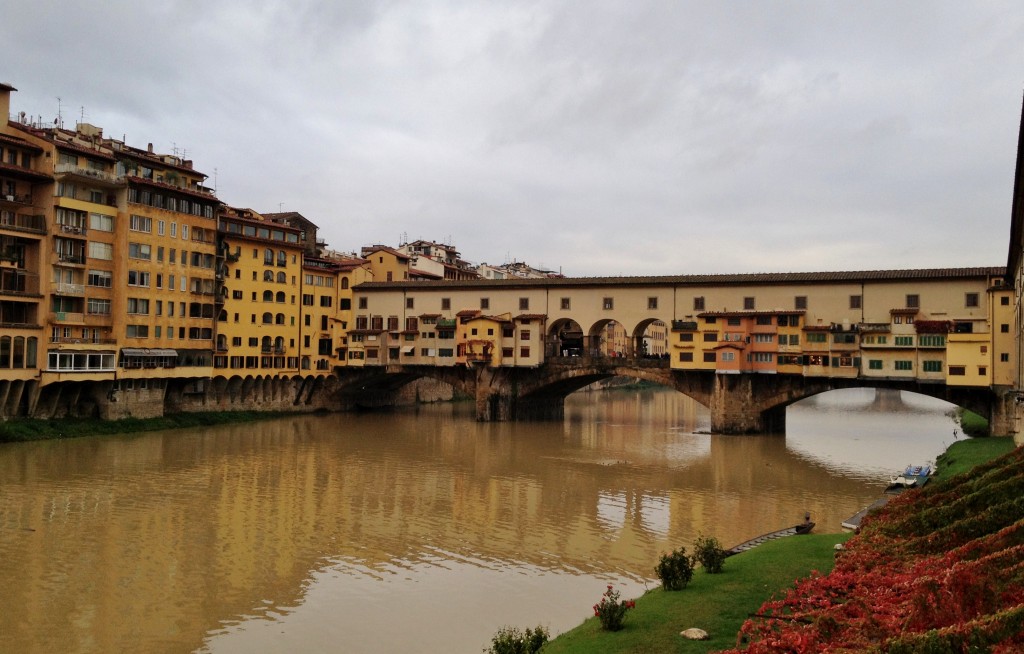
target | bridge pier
[{"x": 735, "y": 408}]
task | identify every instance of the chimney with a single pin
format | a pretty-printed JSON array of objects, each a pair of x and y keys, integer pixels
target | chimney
[
  {"x": 5, "y": 101},
  {"x": 149, "y": 148}
]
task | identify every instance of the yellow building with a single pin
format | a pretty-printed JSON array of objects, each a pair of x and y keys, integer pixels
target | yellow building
[{"x": 259, "y": 329}]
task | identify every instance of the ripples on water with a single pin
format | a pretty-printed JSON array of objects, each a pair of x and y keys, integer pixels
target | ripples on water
[{"x": 421, "y": 530}]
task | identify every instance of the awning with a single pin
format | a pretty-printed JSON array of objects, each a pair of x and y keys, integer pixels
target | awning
[
  {"x": 148, "y": 352},
  {"x": 409, "y": 349}
]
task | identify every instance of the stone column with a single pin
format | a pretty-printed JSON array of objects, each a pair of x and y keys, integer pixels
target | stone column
[{"x": 735, "y": 408}]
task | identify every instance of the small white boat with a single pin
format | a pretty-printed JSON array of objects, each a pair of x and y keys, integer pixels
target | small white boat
[{"x": 911, "y": 476}]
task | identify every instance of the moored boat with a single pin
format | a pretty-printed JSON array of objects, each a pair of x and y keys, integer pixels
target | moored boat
[{"x": 911, "y": 476}]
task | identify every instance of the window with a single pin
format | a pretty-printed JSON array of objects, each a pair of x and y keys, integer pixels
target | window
[
  {"x": 524, "y": 304},
  {"x": 982, "y": 371},
  {"x": 410, "y": 303},
  {"x": 931, "y": 340},
  {"x": 524, "y": 352},
  {"x": 709, "y": 357},
  {"x": 931, "y": 366},
  {"x": 566, "y": 304},
  {"x": 970, "y": 300},
  {"x": 817, "y": 337},
  {"x": 728, "y": 356},
  {"x": 903, "y": 340},
  {"x": 138, "y": 306},
  {"x": 137, "y": 331},
  {"x": 139, "y": 251},
  {"x": 800, "y": 302},
  {"x": 763, "y": 357},
  {"x": 97, "y": 307},
  {"x": 686, "y": 357},
  {"x": 748, "y": 304},
  {"x": 1004, "y": 357},
  {"x": 174, "y": 230},
  {"x": 698, "y": 303},
  {"x": 485, "y": 303},
  {"x": 686, "y": 337},
  {"x": 1004, "y": 328},
  {"x": 764, "y": 338},
  {"x": 140, "y": 224},
  {"x": 524, "y": 335},
  {"x": 100, "y": 278},
  {"x": 1005, "y": 301},
  {"x": 855, "y": 302},
  {"x": 733, "y": 321},
  {"x": 957, "y": 371},
  {"x": 446, "y": 303},
  {"x": 325, "y": 300},
  {"x": 307, "y": 300},
  {"x": 101, "y": 222},
  {"x": 875, "y": 364},
  {"x": 608, "y": 303},
  {"x": 913, "y": 301},
  {"x": 652, "y": 303},
  {"x": 904, "y": 365},
  {"x": 103, "y": 251},
  {"x": 363, "y": 303},
  {"x": 710, "y": 337},
  {"x": 138, "y": 278}
]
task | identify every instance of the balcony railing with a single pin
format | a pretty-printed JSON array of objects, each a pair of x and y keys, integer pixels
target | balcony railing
[
  {"x": 78, "y": 230},
  {"x": 66, "y": 288},
  {"x": 82, "y": 341},
  {"x": 99, "y": 175},
  {"x": 272, "y": 349},
  {"x": 71, "y": 258},
  {"x": 68, "y": 316}
]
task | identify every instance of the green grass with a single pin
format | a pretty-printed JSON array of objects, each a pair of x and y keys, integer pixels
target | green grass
[
  {"x": 19, "y": 430},
  {"x": 963, "y": 455},
  {"x": 717, "y": 604},
  {"x": 971, "y": 423}
]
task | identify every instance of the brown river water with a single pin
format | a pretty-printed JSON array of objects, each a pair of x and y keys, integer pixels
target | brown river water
[{"x": 414, "y": 531}]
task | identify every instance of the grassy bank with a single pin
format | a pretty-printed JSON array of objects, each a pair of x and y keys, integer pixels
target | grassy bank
[
  {"x": 717, "y": 604},
  {"x": 963, "y": 455},
  {"x": 720, "y": 603},
  {"x": 19, "y": 430}
]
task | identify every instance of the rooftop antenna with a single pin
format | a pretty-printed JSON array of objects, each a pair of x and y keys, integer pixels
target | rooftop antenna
[
  {"x": 60, "y": 119},
  {"x": 215, "y": 181},
  {"x": 81, "y": 114},
  {"x": 280, "y": 207}
]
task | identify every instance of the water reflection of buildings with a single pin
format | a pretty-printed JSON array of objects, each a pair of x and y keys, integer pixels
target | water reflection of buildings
[{"x": 165, "y": 538}]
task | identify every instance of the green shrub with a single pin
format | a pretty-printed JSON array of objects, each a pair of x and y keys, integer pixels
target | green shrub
[
  {"x": 510, "y": 640},
  {"x": 675, "y": 570},
  {"x": 710, "y": 553}
]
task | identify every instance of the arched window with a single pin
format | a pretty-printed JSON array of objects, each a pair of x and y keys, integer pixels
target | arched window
[
  {"x": 279, "y": 342},
  {"x": 222, "y": 342},
  {"x": 282, "y": 258},
  {"x": 223, "y": 317},
  {"x": 268, "y": 318},
  {"x": 268, "y": 257},
  {"x": 280, "y": 297},
  {"x": 282, "y": 278},
  {"x": 344, "y": 282},
  {"x": 268, "y": 275},
  {"x": 280, "y": 319},
  {"x": 305, "y": 363},
  {"x": 18, "y": 360},
  {"x": 265, "y": 343},
  {"x": 268, "y": 296}
]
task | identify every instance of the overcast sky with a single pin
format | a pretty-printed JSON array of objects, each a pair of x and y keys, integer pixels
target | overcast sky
[{"x": 599, "y": 138}]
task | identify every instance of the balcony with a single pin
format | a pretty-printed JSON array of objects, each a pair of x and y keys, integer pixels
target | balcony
[
  {"x": 65, "y": 288},
  {"x": 14, "y": 281},
  {"x": 71, "y": 258},
  {"x": 99, "y": 177},
  {"x": 67, "y": 340},
  {"x": 21, "y": 222},
  {"x": 276, "y": 349}
]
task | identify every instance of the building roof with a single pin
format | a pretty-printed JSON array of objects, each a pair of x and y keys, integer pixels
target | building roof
[
  {"x": 751, "y": 314},
  {"x": 730, "y": 279}
]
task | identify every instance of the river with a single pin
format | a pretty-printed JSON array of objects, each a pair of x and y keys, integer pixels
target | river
[{"x": 419, "y": 530}]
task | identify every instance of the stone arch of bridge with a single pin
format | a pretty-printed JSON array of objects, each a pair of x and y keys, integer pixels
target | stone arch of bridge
[
  {"x": 565, "y": 338},
  {"x": 638, "y": 333}
]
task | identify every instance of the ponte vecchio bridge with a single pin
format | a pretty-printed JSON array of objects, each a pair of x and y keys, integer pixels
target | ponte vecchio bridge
[{"x": 744, "y": 345}]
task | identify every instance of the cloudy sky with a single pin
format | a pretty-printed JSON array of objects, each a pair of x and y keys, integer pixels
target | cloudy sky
[{"x": 594, "y": 137}]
